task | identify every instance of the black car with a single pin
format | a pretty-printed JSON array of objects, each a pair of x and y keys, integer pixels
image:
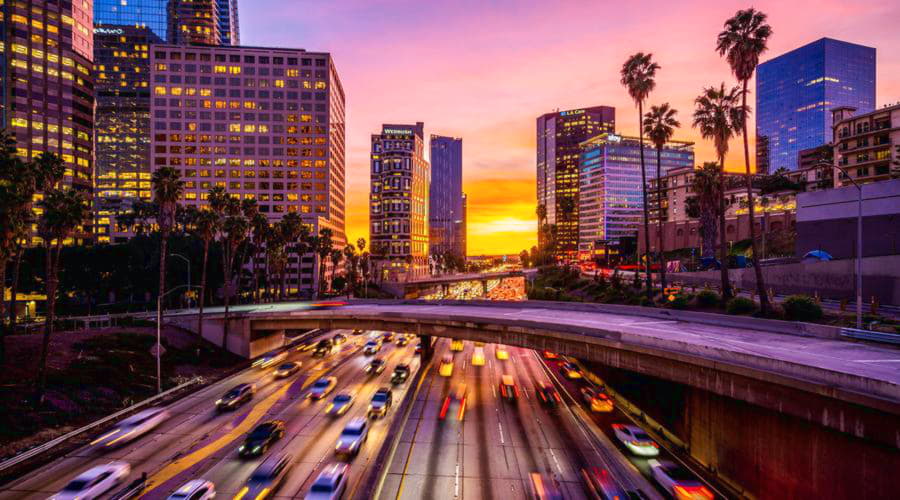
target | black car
[
  {"x": 323, "y": 348},
  {"x": 388, "y": 337},
  {"x": 260, "y": 439},
  {"x": 401, "y": 373},
  {"x": 338, "y": 339},
  {"x": 381, "y": 402},
  {"x": 548, "y": 396},
  {"x": 375, "y": 367},
  {"x": 236, "y": 397}
]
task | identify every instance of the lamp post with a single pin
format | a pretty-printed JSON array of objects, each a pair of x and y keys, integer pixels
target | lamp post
[
  {"x": 159, "y": 334},
  {"x": 859, "y": 217},
  {"x": 188, "y": 262}
]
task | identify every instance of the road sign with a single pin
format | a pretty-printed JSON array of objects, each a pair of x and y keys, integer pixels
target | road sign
[{"x": 162, "y": 350}]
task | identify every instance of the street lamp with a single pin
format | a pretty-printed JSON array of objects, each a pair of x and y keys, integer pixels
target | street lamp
[
  {"x": 159, "y": 334},
  {"x": 188, "y": 262},
  {"x": 859, "y": 231}
]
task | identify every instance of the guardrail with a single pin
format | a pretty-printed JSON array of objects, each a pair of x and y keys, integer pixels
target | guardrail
[
  {"x": 38, "y": 450},
  {"x": 888, "y": 338}
]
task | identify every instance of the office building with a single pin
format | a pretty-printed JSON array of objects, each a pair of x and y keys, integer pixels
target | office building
[
  {"x": 114, "y": 14},
  {"x": 47, "y": 95},
  {"x": 122, "y": 124},
  {"x": 866, "y": 145},
  {"x": 796, "y": 91},
  {"x": 263, "y": 123},
  {"x": 446, "y": 216},
  {"x": 398, "y": 202},
  {"x": 559, "y": 135},
  {"x": 229, "y": 30},
  {"x": 193, "y": 22}
]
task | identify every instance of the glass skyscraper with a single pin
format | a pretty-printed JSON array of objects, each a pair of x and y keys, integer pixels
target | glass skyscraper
[
  {"x": 796, "y": 91},
  {"x": 135, "y": 13},
  {"x": 446, "y": 197},
  {"x": 229, "y": 31}
]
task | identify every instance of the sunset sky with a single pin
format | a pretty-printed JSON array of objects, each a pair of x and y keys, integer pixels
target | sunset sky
[{"x": 484, "y": 70}]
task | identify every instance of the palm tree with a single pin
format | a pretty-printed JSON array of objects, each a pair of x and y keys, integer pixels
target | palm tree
[
  {"x": 742, "y": 42},
  {"x": 234, "y": 231},
  {"x": 659, "y": 126},
  {"x": 292, "y": 227},
  {"x": 336, "y": 255},
  {"x": 64, "y": 211},
  {"x": 167, "y": 190},
  {"x": 638, "y": 74},
  {"x": 275, "y": 247},
  {"x": 707, "y": 188},
  {"x": 206, "y": 225},
  {"x": 259, "y": 225},
  {"x": 322, "y": 246},
  {"x": 718, "y": 115}
]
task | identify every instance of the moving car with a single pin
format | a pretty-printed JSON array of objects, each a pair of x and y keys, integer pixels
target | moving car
[
  {"x": 457, "y": 397},
  {"x": 570, "y": 371},
  {"x": 508, "y": 389},
  {"x": 237, "y": 396},
  {"x": 547, "y": 395},
  {"x": 338, "y": 339},
  {"x": 602, "y": 486},
  {"x": 375, "y": 367},
  {"x": 287, "y": 369},
  {"x": 324, "y": 348},
  {"x": 597, "y": 400},
  {"x": 402, "y": 340},
  {"x": 544, "y": 488},
  {"x": 456, "y": 345},
  {"x": 270, "y": 359},
  {"x": 501, "y": 353},
  {"x": 132, "y": 427},
  {"x": 678, "y": 481},
  {"x": 388, "y": 337},
  {"x": 330, "y": 484},
  {"x": 261, "y": 438},
  {"x": 355, "y": 433},
  {"x": 381, "y": 402},
  {"x": 636, "y": 440},
  {"x": 340, "y": 404},
  {"x": 446, "y": 368},
  {"x": 267, "y": 478},
  {"x": 357, "y": 331},
  {"x": 550, "y": 355},
  {"x": 419, "y": 348},
  {"x": 401, "y": 373},
  {"x": 322, "y": 387},
  {"x": 372, "y": 347},
  {"x": 94, "y": 482},
  {"x": 478, "y": 356},
  {"x": 196, "y": 489}
]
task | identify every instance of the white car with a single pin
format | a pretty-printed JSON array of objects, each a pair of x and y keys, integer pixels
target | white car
[
  {"x": 94, "y": 482},
  {"x": 636, "y": 440},
  {"x": 352, "y": 437},
  {"x": 132, "y": 428},
  {"x": 678, "y": 481},
  {"x": 322, "y": 387},
  {"x": 197, "y": 489},
  {"x": 330, "y": 484}
]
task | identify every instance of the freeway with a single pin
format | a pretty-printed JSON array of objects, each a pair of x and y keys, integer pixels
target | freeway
[
  {"x": 493, "y": 448},
  {"x": 196, "y": 441}
]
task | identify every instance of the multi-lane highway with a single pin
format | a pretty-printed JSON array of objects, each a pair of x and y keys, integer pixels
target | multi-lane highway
[{"x": 198, "y": 442}]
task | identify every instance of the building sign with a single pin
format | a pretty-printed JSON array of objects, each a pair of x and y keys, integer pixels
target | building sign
[
  {"x": 397, "y": 131},
  {"x": 572, "y": 112},
  {"x": 109, "y": 31}
]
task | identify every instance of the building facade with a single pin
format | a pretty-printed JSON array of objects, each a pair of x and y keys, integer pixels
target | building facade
[
  {"x": 263, "y": 123},
  {"x": 446, "y": 216},
  {"x": 229, "y": 29},
  {"x": 559, "y": 138},
  {"x": 193, "y": 22},
  {"x": 796, "y": 90},
  {"x": 867, "y": 145},
  {"x": 115, "y": 14},
  {"x": 610, "y": 197},
  {"x": 47, "y": 95},
  {"x": 398, "y": 202}
]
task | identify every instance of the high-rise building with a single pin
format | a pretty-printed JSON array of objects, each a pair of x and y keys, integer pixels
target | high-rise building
[
  {"x": 559, "y": 135},
  {"x": 122, "y": 124},
  {"x": 446, "y": 216},
  {"x": 229, "y": 30},
  {"x": 611, "y": 200},
  {"x": 866, "y": 145},
  {"x": 398, "y": 202},
  {"x": 263, "y": 123},
  {"x": 193, "y": 22},
  {"x": 796, "y": 91},
  {"x": 47, "y": 94},
  {"x": 114, "y": 14}
]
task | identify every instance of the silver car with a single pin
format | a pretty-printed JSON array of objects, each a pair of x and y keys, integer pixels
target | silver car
[
  {"x": 94, "y": 482},
  {"x": 351, "y": 439},
  {"x": 132, "y": 428},
  {"x": 330, "y": 484}
]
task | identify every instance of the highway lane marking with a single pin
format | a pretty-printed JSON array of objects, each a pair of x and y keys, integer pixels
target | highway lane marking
[
  {"x": 499, "y": 425},
  {"x": 456, "y": 482},
  {"x": 876, "y": 360},
  {"x": 553, "y": 455}
]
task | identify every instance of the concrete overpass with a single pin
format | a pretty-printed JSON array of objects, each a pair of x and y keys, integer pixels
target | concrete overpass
[
  {"x": 417, "y": 288},
  {"x": 799, "y": 378}
]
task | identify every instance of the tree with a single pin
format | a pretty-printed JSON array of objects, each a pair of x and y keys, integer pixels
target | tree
[
  {"x": 707, "y": 188},
  {"x": 234, "y": 231},
  {"x": 322, "y": 246},
  {"x": 659, "y": 126},
  {"x": 352, "y": 267},
  {"x": 206, "y": 224},
  {"x": 276, "y": 243},
  {"x": 638, "y": 74},
  {"x": 292, "y": 228},
  {"x": 718, "y": 114},
  {"x": 64, "y": 210},
  {"x": 260, "y": 228},
  {"x": 742, "y": 42},
  {"x": 336, "y": 255},
  {"x": 167, "y": 190}
]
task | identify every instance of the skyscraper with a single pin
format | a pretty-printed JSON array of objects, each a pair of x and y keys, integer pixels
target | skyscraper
[
  {"x": 263, "y": 123},
  {"x": 229, "y": 30},
  {"x": 559, "y": 135},
  {"x": 47, "y": 95},
  {"x": 193, "y": 22},
  {"x": 446, "y": 216},
  {"x": 796, "y": 91},
  {"x": 398, "y": 202},
  {"x": 134, "y": 13}
]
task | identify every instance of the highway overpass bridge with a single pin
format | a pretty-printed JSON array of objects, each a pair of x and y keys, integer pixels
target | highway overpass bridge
[
  {"x": 440, "y": 285},
  {"x": 790, "y": 401}
]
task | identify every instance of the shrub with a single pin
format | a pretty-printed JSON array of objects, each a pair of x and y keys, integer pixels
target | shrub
[
  {"x": 681, "y": 302},
  {"x": 740, "y": 305},
  {"x": 801, "y": 308},
  {"x": 708, "y": 298}
]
